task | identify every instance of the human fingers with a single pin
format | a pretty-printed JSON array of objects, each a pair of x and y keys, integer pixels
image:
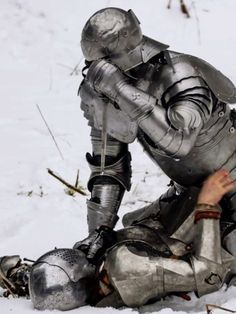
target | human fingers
[
  {"x": 228, "y": 186},
  {"x": 216, "y": 177},
  {"x": 224, "y": 175},
  {"x": 220, "y": 179},
  {"x": 215, "y": 187},
  {"x": 223, "y": 186},
  {"x": 226, "y": 181},
  {"x": 220, "y": 175}
]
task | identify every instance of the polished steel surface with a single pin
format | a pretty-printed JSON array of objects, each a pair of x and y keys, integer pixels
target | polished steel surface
[
  {"x": 58, "y": 280},
  {"x": 120, "y": 171},
  {"x": 118, "y": 123},
  {"x": 205, "y": 269},
  {"x": 104, "y": 211},
  {"x": 174, "y": 104},
  {"x": 115, "y": 33}
]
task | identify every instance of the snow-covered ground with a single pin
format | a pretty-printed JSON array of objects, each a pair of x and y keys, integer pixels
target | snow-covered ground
[{"x": 39, "y": 50}]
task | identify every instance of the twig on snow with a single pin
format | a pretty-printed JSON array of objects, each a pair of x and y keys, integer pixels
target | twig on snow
[
  {"x": 76, "y": 69},
  {"x": 70, "y": 186},
  {"x": 210, "y": 307},
  {"x": 183, "y": 7},
  {"x": 64, "y": 66},
  {"x": 49, "y": 130},
  {"x": 197, "y": 22}
]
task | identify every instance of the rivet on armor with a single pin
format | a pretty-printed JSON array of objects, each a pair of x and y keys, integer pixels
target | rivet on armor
[
  {"x": 232, "y": 129},
  {"x": 189, "y": 247},
  {"x": 136, "y": 96},
  {"x": 221, "y": 114}
]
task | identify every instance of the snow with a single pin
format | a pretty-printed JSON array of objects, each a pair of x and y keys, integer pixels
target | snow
[{"x": 39, "y": 44}]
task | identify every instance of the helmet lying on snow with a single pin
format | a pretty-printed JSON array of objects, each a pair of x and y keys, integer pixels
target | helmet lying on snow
[{"x": 61, "y": 279}]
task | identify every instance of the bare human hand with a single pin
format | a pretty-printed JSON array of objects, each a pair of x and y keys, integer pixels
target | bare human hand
[{"x": 215, "y": 187}]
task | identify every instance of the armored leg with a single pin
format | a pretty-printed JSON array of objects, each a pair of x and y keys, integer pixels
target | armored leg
[
  {"x": 152, "y": 210},
  {"x": 141, "y": 214},
  {"x": 150, "y": 279},
  {"x": 170, "y": 210}
]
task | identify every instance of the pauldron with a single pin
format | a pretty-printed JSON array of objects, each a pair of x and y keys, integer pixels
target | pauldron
[{"x": 182, "y": 65}]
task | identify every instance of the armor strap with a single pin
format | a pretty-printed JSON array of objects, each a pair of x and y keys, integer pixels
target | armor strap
[
  {"x": 207, "y": 211},
  {"x": 206, "y": 215}
]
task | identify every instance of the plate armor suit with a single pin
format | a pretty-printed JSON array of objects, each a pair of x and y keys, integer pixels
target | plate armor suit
[{"x": 176, "y": 105}]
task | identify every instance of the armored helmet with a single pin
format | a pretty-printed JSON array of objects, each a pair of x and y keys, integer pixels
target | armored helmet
[
  {"x": 61, "y": 279},
  {"x": 116, "y": 34}
]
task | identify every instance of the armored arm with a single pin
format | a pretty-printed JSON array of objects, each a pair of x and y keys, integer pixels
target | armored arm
[
  {"x": 173, "y": 122},
  {"x": 106, "y": 188},
  {"x": 208, "y": 268}
]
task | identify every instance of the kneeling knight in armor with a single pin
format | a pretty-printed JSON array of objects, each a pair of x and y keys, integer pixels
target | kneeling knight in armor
[{"x": 176, "y": 105}]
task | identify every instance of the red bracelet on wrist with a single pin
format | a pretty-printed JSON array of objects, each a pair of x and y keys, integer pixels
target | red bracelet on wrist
[
  {"x": 207, "y": 211},
  {"x": 207, "y": 215}
]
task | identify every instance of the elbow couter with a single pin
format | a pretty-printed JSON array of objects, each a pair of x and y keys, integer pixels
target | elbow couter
[{"x": 175, "y": 146}]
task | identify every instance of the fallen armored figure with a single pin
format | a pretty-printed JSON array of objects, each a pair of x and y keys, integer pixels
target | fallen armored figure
[{"x": 139, "y": 264}]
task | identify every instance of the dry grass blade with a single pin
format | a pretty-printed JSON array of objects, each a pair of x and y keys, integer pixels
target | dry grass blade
[
  {"x": 184, "y": 8},
  {"x": 169, "y": 4},
  {"x": 50, "y": 131}
]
